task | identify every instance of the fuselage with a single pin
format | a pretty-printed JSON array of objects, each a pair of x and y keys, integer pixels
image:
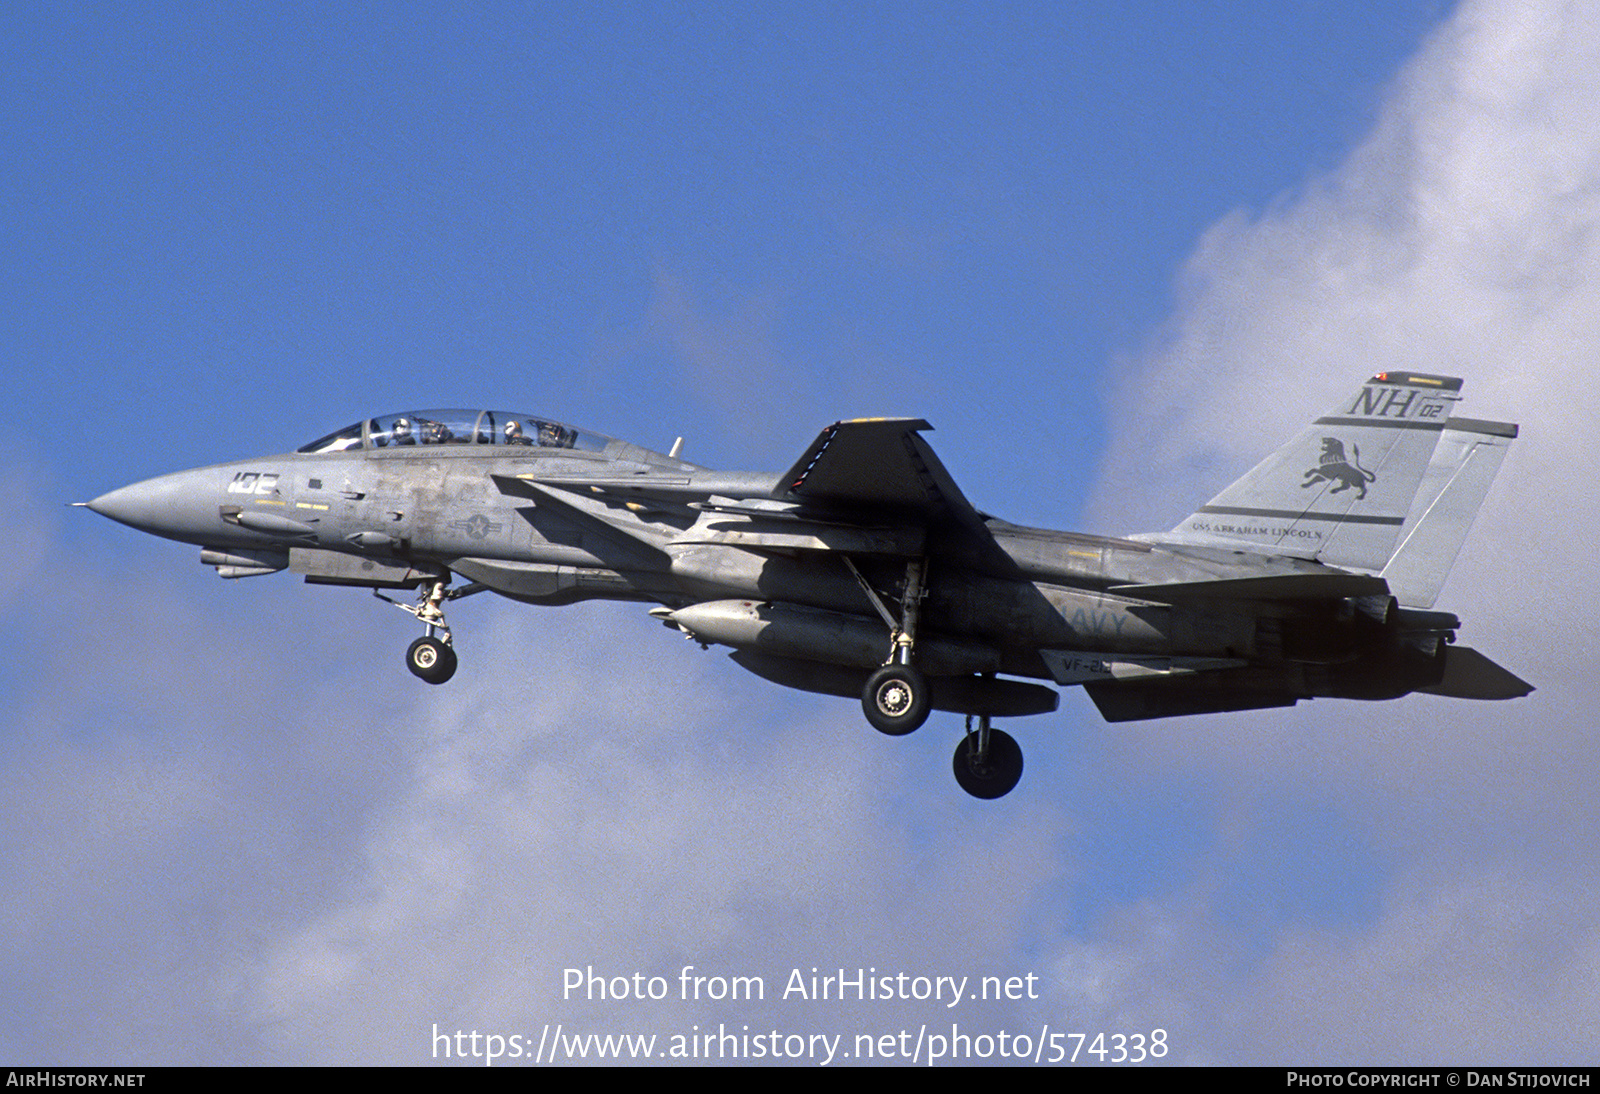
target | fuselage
[
  {"x": 358, "y": 507},
  {"x": 864, "y": 571}
]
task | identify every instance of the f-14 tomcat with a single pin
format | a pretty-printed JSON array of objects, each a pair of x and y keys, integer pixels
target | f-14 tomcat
[{"x": 863, "y": 571}]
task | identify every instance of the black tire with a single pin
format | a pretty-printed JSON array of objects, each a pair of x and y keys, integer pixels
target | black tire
[
  {"x": 997, "y": 775},
  {"x": 896, "y": 700},
  {"x": 431, "y": 659}
]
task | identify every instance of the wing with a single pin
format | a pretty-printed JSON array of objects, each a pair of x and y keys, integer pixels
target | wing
[
  {"x": 879, "y": 468},
  {"x": 877, "y": 464},
  {"x": 866, "y": 487}
]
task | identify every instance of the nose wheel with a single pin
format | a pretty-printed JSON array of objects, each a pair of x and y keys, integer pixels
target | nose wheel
[{"x": 432, "y": 657}]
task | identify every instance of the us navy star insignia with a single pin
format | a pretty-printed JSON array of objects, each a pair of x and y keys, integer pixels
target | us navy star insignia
[{"x": 477, "y": 526}]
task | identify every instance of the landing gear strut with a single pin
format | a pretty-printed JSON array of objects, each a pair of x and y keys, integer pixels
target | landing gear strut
[
  {"x": 988, "y": 763},
  {"x": 432, "y": 657},
  {"x": 896, "y": 699}
]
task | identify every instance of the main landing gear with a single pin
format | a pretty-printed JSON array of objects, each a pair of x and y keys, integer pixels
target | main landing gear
[
  {"x": 987, "y": 763},
  {"x": 432, "y": 657},
  {"x": 897, "y": 699}
]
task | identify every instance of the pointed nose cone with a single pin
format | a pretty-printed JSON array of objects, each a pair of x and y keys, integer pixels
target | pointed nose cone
[
  {"x": 177, "y": 506},
  {"x": 131, "y": 505}
]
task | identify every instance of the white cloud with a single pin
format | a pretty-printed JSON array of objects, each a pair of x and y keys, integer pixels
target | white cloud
[
  {"x": 564, "y": 824},
  {"x": 1485, "y": 968},
  {"x": 262, "y": 841},
  {"x": 1460, "y": 239},
  {"x": 236, "y": 830}
]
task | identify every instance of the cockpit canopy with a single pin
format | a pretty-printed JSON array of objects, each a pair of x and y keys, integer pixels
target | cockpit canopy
[{"x": 458, "y": 427}]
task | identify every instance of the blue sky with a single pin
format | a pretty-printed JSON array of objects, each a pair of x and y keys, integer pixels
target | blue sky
[
  {"x": 679, "y": 213},
  {"x": 1112, "y": 258}
]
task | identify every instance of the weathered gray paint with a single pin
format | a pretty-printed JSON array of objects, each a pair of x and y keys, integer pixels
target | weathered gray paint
[{"x": 1269, "y": 594}]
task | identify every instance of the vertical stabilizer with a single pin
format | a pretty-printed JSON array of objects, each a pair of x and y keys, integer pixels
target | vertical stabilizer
[
  {"x": 1341, "y": 491},
  {"x": 1464, "y": 466}
]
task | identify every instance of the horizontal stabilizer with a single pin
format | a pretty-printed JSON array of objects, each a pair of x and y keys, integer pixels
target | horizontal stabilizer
[{"x": 1468, "y": 674}]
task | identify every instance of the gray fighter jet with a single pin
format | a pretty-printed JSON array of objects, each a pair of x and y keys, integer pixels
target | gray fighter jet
[{"x": 863, "y": 571}]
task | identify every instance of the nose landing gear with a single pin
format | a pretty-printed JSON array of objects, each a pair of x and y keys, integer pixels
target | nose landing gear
[{"x": 432, "y": 657}]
